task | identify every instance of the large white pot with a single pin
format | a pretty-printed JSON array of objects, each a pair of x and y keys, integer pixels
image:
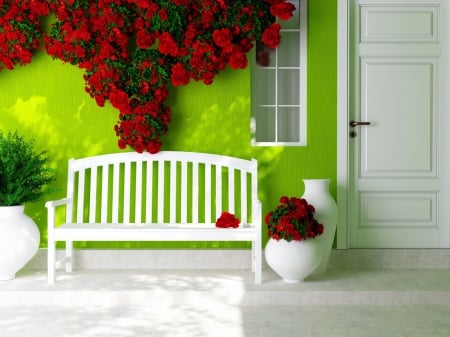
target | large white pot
[
  {"x": 293, "y": 260},
  {"x": 19, "y": 240},
  {"x": 317, "y": 194}
]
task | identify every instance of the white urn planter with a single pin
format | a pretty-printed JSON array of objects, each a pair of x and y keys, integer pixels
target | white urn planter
[
  {"x": 293, "y": 260},
  {"x": 317, "y": 194},
  {"x": 19, "y": 240}
]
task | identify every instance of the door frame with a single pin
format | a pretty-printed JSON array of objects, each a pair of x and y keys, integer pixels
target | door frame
[
  {"x": 343, "y": 92},
  {"x": 342, "y": 121}
]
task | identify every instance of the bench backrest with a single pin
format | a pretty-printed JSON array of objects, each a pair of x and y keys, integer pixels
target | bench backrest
[{"x": 167, "y": 187}]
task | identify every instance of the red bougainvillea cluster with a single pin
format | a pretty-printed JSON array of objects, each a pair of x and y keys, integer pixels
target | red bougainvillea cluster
[
  {"x": 132, "y": 51},
  {"x": 20, "y": 30},
  {"x": 293, "y": 219}
]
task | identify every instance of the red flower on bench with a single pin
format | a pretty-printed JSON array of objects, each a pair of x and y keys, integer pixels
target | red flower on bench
[{"x": 227, "y": 220}]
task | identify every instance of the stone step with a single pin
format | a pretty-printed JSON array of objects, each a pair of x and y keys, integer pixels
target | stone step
[
  {"x": 240, "y": 259},
  {"x": 109, "y": 288}
]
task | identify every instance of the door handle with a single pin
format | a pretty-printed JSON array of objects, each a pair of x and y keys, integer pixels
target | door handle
[{"x": 353, "y": 123}]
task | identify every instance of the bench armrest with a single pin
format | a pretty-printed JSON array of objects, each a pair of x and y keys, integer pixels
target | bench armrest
[
  {"x": 51, "y": 208},
  {"x": 56, "y": 203}
]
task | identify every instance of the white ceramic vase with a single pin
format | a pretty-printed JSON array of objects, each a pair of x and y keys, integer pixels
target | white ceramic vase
[
  {"x": 317, "y": 193},
  {"x": 19, "y": 240},
  {"x": 293, "y": 260}
]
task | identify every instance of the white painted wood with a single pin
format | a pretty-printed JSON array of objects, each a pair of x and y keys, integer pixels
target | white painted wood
[
  {"x": 171, "y": 177},
  {"x": 219, "y": 197},
  {"x": 138, "y": 216},
  {"x": 115, "y": 196},
  {"x": 93, "y": 196},
  {"x": 184, "y": 192},
  {"x": 195, "y": 191},
  {"x": 80, "y": 197},
  {"x": 105, "y": 179},
  {"x": 402, "y": 140},
  {"x": 127, "y": 191},
  {"x": 208, "y": 195},
  {"x": 342, "y": 123},
  {"x": 243, "y": 193},
  {"x": 399, "y": 23},
  {"x": 160, "y": 202},
  {"x": 395, "y": 186},
  {"x": 173, "y": 192},
  {"x": 231, "y": 196},
  {"x": 149, "y": 193}
]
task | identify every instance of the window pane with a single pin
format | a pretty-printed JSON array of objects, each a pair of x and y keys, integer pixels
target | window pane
[
  {"x": 263, "y": 89},
  {"x": 288, "y": 51},
  {"x": 288, "y": 124},
  {"x": 265, "y": 122},
  {"x": 265, "y": 56},
  {"x": 289, "y": 87}
]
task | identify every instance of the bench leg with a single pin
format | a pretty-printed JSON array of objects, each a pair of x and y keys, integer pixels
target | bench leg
[
  {"x": 253, "y": 257},
  {"x": 69, "y": 256},
  {"x": 51, "y": 260},
  {"x": 257, "y": 261}
]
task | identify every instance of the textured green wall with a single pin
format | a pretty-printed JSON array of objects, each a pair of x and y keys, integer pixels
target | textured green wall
[{"x": 46, "y": 101}]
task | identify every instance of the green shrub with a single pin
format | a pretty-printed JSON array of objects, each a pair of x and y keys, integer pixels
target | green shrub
[{"x": 23, "y": 172}]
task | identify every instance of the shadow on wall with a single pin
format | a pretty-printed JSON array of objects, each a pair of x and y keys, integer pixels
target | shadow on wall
[
  {"x": 57, "y": 134},
  {"x": 224, "y": 129}
]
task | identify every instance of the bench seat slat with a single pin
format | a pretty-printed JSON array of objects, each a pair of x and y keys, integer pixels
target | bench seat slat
[
  {"x": 119, "y": 232},
  {"x": 137, "y": 226}
]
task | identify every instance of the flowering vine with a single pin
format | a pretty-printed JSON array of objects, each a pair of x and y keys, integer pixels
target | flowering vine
[
  {"x": 133, "y": 51},
  {"x": 20, "y": 31}
]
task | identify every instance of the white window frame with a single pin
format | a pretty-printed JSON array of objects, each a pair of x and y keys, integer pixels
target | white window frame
[{"x": 300, "y": 130}]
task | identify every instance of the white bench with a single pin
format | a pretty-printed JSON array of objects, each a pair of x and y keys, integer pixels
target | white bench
[{"x": 168, "y": 196}]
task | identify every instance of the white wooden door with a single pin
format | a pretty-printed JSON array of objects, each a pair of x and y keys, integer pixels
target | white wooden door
[{"x": 398, "y": 164}]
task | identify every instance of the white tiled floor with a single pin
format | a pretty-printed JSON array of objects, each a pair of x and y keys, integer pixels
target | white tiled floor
[
  {"x": 229, "y": 321},
  {"x": 109, "y": 303}
]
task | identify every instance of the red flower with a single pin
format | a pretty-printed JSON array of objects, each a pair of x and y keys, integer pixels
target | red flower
[
  {"x": 271, "y": 36},
  {"x": 167, "y": 45},
  {"x": 119, "y": 99},
  {"x": 161, "y": 94},
  {"x": 144, "y": 40},
  {"x": 283, "y": 10},
  {"x": 8, "y": 63},
  {"x": 179, "y": 75},
  {"x": 223, "y": 38},
  {"x": 227, "y": 220},
  {"x": 154, "y": 146},
  {"x": 268, "y": 216},
  {"x": 163, "y": 14},
  {"x": 122, "y": 144},
  {"x": 238, "y": 60}
]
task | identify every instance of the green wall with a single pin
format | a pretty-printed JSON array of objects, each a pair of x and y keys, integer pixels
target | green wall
[{"x": 45, "y": 100}]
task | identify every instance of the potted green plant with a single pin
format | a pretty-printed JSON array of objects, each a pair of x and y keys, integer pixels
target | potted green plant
[
  {"x": 23, "y": 175},
  {"x": 291, "y": 250}
]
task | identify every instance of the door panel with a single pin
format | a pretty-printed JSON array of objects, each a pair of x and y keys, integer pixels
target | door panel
[
  {"x": 398, "y": 97},
  {"x": 398, "y": 23},
  {"x": 398, "y": 174}
]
